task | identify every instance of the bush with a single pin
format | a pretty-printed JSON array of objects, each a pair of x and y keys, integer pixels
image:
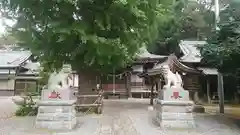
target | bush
[
  {"x": 86, "y": 110},
  {"x": 29, "y": 108},
  {"x": 26, "y": 110}
]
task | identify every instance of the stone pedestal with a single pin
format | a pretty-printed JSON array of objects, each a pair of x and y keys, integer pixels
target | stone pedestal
[
  {"x": 56, "y": 110},
  {"x": 173, "y": 109}
]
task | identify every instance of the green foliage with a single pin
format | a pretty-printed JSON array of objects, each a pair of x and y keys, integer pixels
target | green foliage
[
  {"x": 26, "y": 110},
  {"x": 93, "y": 35},
  {"x": 197, "y": 20},
  {"x": 186, "y": 20},
  {"x": 169, "y": 29},
  {"x": 223, "y": 48},
  {"x": 44, "y": 77},
  {"x": 88, "y": 110},
  {"x": 29, "y": 108}
]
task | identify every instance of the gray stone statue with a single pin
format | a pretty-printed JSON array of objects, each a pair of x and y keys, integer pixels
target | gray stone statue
[
  {"x": 171, "y": 79},
  {"x": 173, "y": 108},
  {"x": 61, "y": 79},
  {"x": 56, "y": 109}
]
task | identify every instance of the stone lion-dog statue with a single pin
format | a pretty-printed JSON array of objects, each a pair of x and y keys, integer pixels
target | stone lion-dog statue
[{"x": 171, "y": 79}]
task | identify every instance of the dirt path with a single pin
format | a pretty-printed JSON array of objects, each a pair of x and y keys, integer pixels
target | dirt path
[
  {"x": 120, "y": 117},
  {"x": 8, "y": 108}
]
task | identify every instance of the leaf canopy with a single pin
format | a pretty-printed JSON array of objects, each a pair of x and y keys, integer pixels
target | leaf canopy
[
  {"x": 223, "y": 47},
  {"x": 93, "y": 35}
]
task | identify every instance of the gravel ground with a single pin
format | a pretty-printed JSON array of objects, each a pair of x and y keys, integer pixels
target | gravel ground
[{"x": 120, "y": 117}]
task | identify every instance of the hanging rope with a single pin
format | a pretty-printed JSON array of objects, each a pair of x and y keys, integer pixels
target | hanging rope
[{"x": 116, "y": 75}]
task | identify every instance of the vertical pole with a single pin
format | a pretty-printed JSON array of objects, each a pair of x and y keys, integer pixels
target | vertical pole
[
  {"x": 157, "y": 88},
  {"x": 151, "y": 96},
  {"x": 217, "y": 18},
  {"x": 114, "y": 81},
  {"x": 208, "y": 91},
  {"x": 220, "y": 92},
  {"x": 220, "y": 76}
]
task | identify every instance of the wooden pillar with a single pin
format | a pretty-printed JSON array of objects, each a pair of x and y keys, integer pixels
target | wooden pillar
[
  {"x": 37, "y": 86},
  {"x": 152, "y": 87},
  {"x": 208, "y": 91},
  {"x": 220, "y": 92},
  {"x": 157, "y": 85},
  {"x": 160, "y": 84}
]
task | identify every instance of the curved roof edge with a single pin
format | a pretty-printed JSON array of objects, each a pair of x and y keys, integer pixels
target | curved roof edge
[
  {"x": 172, "y": 61},
  {"x": 144, "y": 54}
]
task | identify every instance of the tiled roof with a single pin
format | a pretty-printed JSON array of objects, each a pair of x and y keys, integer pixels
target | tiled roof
[
  {"x": 13, "y": 58},
  {"x": 172, "y": 62},
  {"x": 144, "y": 54},
  {"x": 190, "y": 51},
  {"x": 33, "y": 68},
  {"x": 208, "y": 71}
]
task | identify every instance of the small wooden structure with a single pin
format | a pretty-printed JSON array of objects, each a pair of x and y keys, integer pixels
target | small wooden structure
[
  {"x": 128, "y": 83},
  {"x": 88, "y": 96},
  {"x": 84, "y": 105},
  {"x": 190, "y": 76},
  {"x": 144, "y": 77}
]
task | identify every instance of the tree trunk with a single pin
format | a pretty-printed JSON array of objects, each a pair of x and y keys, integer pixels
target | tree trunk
[{"x": 128, "y": 85}]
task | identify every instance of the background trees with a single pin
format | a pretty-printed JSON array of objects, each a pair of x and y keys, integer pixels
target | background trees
[
  {"x": 189, "y": 20},
  {"x": 99, "y": 35},
  {"x": 225, "y": 44},
  {"x": 91, "y": 35}
]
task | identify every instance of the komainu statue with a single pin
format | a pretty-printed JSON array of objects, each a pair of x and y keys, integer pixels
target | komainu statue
[
  {"x": 60, "y": 80},
  {"x": 171, "y": 79}
]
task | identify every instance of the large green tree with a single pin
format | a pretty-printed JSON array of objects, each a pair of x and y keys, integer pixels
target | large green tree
[
  {"x": 92, "y": 35},
  {"x": 192, "y": 20},
  {"x": 223, "y": 47}
]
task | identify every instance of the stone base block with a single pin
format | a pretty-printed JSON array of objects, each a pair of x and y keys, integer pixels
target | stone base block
[
  {"x": 56, "y": 116},
  {"x": 57, "y": 125},
  {"x": 177, "y": 124},
  {"x": 176, "y": 116},
  {"x": 175, "y": 120},
  {"x": 53, "y": 109}
]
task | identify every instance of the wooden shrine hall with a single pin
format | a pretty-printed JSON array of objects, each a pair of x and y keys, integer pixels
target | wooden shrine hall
[{"x": 138, "y": 80}]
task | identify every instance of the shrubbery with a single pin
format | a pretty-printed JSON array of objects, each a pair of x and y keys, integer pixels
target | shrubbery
[{"x": 29, "y": 107}]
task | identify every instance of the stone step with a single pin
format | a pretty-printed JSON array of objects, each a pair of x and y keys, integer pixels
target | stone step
[
  {"x": 56, "y": 116},
  {"x": 53, "y": 109},
  {"x": 177, "y": 124},
  {"x": 57, "y": 125},
  {"x": 58, "y": 102},
  {"x": 176, "y": 116},
  {"x": 179, "y": 109}
]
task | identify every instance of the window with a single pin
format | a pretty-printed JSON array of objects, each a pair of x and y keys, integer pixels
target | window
[{"x": 25, "y": 86}]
